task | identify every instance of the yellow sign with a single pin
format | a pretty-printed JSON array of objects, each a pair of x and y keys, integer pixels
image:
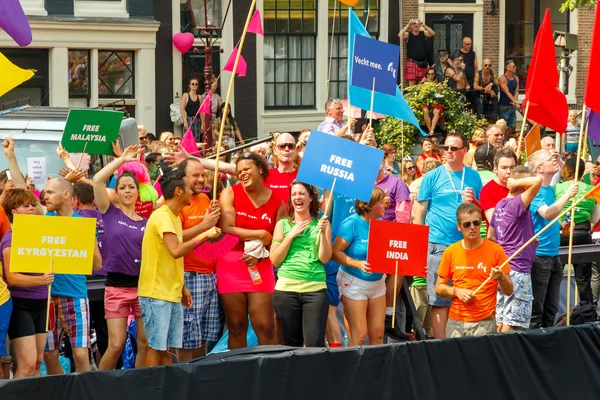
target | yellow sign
[{"x": 68, "y": 241}]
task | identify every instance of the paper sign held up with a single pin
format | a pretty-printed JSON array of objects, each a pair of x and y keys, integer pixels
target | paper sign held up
[
  {"x": 36, "y": 169},
  {"x": 533, "y": 140},
  {"x": 373, "y": 59},
  {"x": 69, "y": 242},
  {"x": 354, "y": 166},
  {"x": 392, "y": 241},
  {"x": 92, "y": 130}
]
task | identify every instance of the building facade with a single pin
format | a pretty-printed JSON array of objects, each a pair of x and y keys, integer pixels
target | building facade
[{"x": 292, "y": 70}]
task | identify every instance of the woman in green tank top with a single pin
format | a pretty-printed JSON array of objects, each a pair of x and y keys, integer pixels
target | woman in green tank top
[{"x": 300, "y": 297}]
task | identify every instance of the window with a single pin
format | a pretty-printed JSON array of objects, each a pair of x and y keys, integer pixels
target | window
[
  {"x": 101, "y": 8},
  {"x": 289, "y": 53},
  {"x": 368, "y": 12},
  {"x": 192, "y": 15},
  {"x": 79, "y": 73},
  {"x": 115, "y": 74},
  {"x": 523, "y": 19}
]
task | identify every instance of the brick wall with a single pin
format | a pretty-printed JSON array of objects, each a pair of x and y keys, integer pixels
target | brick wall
[
  {"x": 410, "y": 9},
  {"x": 491, "y": 37},
  {"x": 585, "y": 21}
]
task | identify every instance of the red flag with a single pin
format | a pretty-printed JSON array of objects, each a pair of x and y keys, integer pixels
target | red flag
[
  {"x": 255, "y": 25},
  {"x": 206, "y": 104},
  {"x": 241, "y": 68},
  {"x": 547, "y": 105},
  {"x": 592, "y": 95},
  {"x": 188, "y": 143}
]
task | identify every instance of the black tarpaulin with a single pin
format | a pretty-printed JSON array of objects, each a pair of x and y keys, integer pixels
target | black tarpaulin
[{"x": 560, "y": 363}]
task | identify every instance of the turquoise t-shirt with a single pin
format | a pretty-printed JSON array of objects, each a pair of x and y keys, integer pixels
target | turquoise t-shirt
[
  {"x": 355, "y": 230},
  {"x": 69, "y": 285},
  {"x": 343, "y": 207},
  {"x": 444, "y": 197},
  {"x": 549, "y": 241}
]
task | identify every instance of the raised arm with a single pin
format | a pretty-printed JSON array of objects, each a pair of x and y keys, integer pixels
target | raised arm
[{"x": 8, "y": 146}]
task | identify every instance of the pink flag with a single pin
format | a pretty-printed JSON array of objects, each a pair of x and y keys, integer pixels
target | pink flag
[
  {"x": 241, "y": 68},
  {"x": 206, "y": 105},
  {"x": 188, "y": 143},
  {"x": 255, "y": 25},
  {"x": 156, "y": 185}
]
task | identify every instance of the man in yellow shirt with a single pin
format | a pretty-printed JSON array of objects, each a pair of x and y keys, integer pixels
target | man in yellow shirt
[{"x": 161, "y": 286}]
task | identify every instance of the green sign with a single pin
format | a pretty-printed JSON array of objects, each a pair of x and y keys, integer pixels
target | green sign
[{"x": 91, "y": 131}]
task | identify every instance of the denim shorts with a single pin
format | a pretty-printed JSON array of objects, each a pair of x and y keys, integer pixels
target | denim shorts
[
  {"x": 5, "y": 312},
  {"x": 434, "y": 257},
  {"x": 515, "y": 310},
  {"x": 163, "y": 322}
]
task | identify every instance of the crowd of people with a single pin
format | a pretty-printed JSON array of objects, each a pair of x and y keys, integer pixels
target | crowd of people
[{"x": 282, "y": 257}]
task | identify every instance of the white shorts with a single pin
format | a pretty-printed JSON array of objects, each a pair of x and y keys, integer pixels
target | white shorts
[{"x": 358, "y": 289}]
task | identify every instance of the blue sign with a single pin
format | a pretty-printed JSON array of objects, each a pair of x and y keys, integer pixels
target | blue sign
[
  {"x": 377, "y": 60},
  {"x": 354, "y": 166}
]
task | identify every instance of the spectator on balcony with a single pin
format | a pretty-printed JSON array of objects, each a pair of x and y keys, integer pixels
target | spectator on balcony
[
  {"x": 416, "y": 63},
  {"x": 509, "y": 86}
]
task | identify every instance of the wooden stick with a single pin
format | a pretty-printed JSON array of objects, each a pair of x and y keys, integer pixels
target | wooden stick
[
  {"x": 49, "y": 299},
  {"x": 395, "y": 294},
  {"x": 572, "y": 228},
  {"x": 82, "y": 155},
  {"x": 522, "y": 130},
  {"x": 575, "y": 204},
  {"x": 226, "y": 108},
  {"x": 329, "y": 200},
  {"x": 372, "y": 101}
]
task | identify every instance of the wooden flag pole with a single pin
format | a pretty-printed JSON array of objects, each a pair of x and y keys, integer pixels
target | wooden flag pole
[
  {"x": 226, "y": 108},
  {"x": 572, "y": 228},
  {"x": 49, "y": 299},
  {"x": 329, "y": 200},
  {"x": 395, "y": 294},
  {"x": 522, "y": 130},
  {"x": 82, "y": 155},
  {"x": 372, "y": 102},
  {"x": 534, "y": 238}
]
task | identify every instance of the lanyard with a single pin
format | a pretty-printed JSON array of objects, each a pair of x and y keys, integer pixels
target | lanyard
[{"x": 462, "y": 182}]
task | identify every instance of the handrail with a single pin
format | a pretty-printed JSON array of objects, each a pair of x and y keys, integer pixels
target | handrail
[{"x": 242, "y": 147}]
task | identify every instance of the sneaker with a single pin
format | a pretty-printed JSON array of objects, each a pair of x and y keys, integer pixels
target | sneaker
[{"x": 395, "y": 332}]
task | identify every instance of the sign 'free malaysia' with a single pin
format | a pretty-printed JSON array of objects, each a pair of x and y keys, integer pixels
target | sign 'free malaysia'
[
  {"x": 353, "y": 166},
  {"x": 94, "y": 130},
  {"x": 375, "y": 59},
  {"x": 391, "y": 242},
  {"x": 69, "y": 242}
]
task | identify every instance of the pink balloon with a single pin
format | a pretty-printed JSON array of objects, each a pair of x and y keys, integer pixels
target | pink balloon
[{"x": 183, "y": 41}]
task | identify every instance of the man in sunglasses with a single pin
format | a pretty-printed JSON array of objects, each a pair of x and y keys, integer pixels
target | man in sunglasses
[
  {"x": 284, "y": 173},
  {"x": 486, "y": 83},
  {"x": 469, "y": 263},
  {"x": 442, "y": 191},
  {"x": 334, "y": 122},
  {"x": 547, "y": 270},
  {"x": 416, "y": 63}
]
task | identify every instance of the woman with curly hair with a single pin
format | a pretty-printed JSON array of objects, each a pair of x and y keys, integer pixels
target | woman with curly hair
[
  {"x": 362, "y": 292},
  {"x": 300, "y": 298}
]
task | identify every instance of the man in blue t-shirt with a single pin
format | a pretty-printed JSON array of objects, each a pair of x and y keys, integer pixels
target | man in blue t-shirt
[
  {"x": 69, "y": 292},
  {"x": 442, "y": 191},
  {"x": 547, "y": 270}
]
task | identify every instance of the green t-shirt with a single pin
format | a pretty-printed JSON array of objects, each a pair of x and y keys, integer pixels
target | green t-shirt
[
  {"x": 583, "y": 212},
  {"x": 485, "y": 176},
  {"x": 419, "y": 281},
  {"x": 302, "y": 261}
]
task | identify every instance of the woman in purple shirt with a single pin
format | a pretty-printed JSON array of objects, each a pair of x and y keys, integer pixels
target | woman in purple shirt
[
  {"x": 124, "y": 231},
  {"x": 27, "y": 329}
]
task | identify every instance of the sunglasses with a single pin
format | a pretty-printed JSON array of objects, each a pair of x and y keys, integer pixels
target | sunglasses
[
  {"x": 290, "y": 146},
  {"x": 451, "y": 148},
  {"x": 487, "y": 65},
  {"x": 435, "y": 141},
  {"x": 468, "y": 224},
  {"x": 597, "y": 163},
  {"x": 415, "y": 22},
  {"x": 193, "y": 84},
  {"x": 431, "y": 73},
  {"x": 410, "y": 168},
  {"x": 27, "y": 205}
]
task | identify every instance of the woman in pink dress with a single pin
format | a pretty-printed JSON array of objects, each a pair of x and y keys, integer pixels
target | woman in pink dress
[{"x": 249, "y": 210}]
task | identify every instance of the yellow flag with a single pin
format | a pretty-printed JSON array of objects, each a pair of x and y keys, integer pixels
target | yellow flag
[
  {"x": 350, "y": 3},
  {"x": 11, "y": 76},
  {"x": 533, "y": 141}
]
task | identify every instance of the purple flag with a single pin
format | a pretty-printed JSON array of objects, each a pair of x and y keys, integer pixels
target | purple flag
[{"x": 593, "y": 125}]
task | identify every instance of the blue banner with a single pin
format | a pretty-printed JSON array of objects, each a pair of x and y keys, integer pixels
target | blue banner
[
  {"x": 354, "y": 166},
  {"x": 375, "y": 60}
]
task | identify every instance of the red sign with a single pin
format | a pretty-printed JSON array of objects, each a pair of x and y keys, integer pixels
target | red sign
[{"x": 391, "y": 242}]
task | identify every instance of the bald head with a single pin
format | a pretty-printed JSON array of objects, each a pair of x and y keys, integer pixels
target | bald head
[
  {"x": 285, "y": 137},
  {"x": 57, "y": 194},
  {"x": 285, "y": 148},
  {"x": 547, "y": 143}
]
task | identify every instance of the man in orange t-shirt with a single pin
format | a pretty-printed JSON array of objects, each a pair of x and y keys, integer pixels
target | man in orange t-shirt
[
  {"x": 202, "y": 320},
  {"x": 468, "y": 263}
]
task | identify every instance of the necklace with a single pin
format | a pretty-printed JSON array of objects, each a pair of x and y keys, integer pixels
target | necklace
[{"x": 462, "y": 182}]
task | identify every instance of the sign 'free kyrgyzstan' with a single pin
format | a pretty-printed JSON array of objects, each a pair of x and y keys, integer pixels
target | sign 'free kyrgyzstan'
[
  {"x": 354, "y": 166},
  {"x": 375, "y": 59},
  {"x": 68, "y": 241},
  {"x": 392, "y": 241},
  {"x": 98, "y": 128}
]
